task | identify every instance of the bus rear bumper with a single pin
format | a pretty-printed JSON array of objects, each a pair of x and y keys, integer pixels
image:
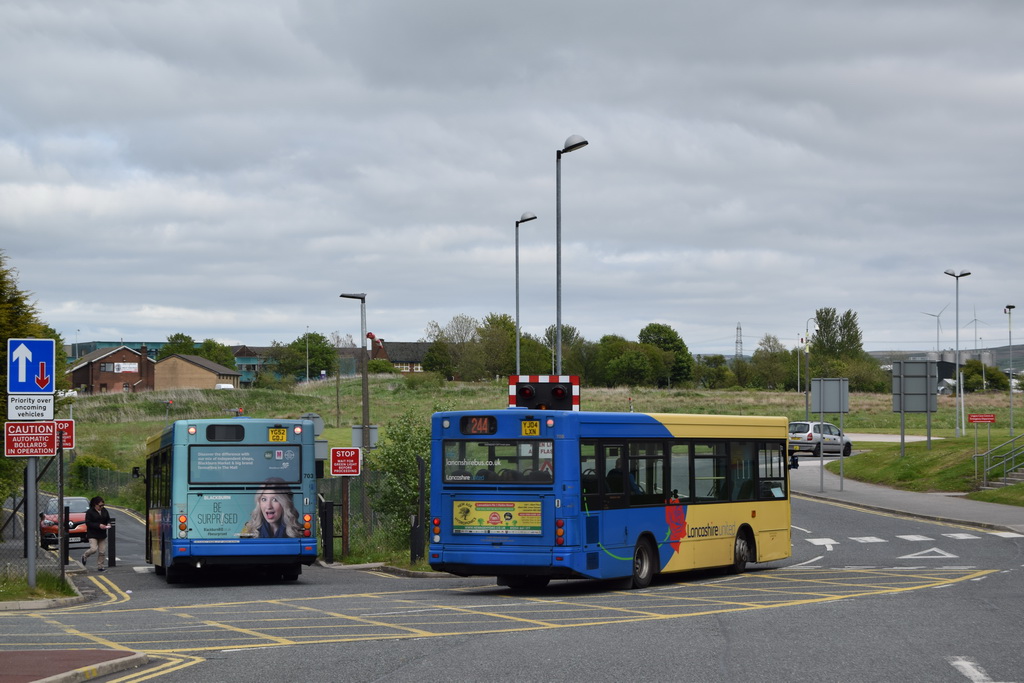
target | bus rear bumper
[
  {"x": 555, "y": 565},
  {"x": 234, "y": 552}
]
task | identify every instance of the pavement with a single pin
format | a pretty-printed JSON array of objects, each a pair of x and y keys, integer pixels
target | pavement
[{"x": 810, "y": 480}]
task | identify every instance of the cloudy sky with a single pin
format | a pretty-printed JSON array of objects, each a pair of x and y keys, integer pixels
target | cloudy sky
[{"x": 227, "y": 169}]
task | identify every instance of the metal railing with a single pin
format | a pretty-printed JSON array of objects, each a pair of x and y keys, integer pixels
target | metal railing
[{"x": 1000, "y": 461}]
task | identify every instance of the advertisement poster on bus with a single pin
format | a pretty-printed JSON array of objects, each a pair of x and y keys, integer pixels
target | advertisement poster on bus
[
  {"x": 243, "y": 464},
  {"x": 496, "y": 517},
  {"x": 222, "y": 516}
]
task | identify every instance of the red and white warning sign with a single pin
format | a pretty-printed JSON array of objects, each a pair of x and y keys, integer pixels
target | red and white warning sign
[
  {"x": 346, "y": 462},
  {"x": 30, "y": 439}
]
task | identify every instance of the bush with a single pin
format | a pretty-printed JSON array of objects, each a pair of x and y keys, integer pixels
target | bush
[
  {"x": 424, "y": 380},
  {"x": 78, "y": 479},
  {"x": 379, "y": 366}
]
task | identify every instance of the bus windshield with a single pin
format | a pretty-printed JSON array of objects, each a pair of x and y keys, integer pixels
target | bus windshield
[{"x": 500, "y": 462}]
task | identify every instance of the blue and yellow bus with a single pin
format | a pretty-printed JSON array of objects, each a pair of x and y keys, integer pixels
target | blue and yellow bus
[
  {"x": 534, "y": 495},
  {"x": 238, "y": 491}
]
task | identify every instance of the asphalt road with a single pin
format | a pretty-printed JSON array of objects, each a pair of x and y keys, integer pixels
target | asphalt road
[{"x": 865, "y": 597}]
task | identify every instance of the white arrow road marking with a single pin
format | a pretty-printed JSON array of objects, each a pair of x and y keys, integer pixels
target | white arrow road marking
[
  {"x": 930, "y": 554},
  {"x": 970, "y": 669}
]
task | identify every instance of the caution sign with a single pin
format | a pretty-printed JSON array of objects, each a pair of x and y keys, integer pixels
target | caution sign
[{"x": 30, "y": 439}]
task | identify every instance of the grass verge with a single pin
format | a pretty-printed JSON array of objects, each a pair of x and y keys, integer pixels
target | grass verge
[{"x": 47, "y": 586}]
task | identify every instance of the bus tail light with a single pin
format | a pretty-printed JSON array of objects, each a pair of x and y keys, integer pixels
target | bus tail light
[
  {"x": 182, "y": 526},
  {"x": 307, "y": 524},
  {"x": 436, "y": 529},
  {"x": 559, "y": 532}
]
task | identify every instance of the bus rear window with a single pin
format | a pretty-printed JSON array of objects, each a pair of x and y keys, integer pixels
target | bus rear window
[
  {"x": 498, "y": 462},
  {"x": 221, "y": 432}
]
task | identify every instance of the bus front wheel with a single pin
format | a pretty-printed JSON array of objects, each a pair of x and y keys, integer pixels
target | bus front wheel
[{"x": 643, "y": 564}]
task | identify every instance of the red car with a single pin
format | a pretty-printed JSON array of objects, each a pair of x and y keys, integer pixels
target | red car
[{"x": 76, "y": 522}]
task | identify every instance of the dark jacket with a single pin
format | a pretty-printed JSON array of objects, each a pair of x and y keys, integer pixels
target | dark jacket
[{"x": 93, "y": 520}]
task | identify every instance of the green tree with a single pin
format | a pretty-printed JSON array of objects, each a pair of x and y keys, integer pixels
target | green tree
[
  {"x": 712, "y": 372},
  {"x": 213, "y": 350},
  {"x": 667, "y": 339},
  {"x": 438, "y": 358},
  {"x": 535, "y": 358},
  {"x": 771, "y": 364},
  {"x": 630, "y": 368},
  {"x": 979, "y": 377},
  {"x": 178, "y": 343},
  {"x": 497, "y": 340},
  {"x": 460, "y": 336},
  {"x": 313, "y": 348},
  {"x": 395, "y": 489}
]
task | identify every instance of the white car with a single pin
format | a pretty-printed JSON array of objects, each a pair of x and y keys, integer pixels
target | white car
[{"x": 817, "y": 438}]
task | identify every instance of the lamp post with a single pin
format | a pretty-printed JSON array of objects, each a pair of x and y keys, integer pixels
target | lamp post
[
  {"x": 1009, "y": 313},
  {"x": 527, "y": 216},
  {"x": 364, "y": 370},
  {"x": 807, "y": 356},
  {"x": 959, "y": 388},
  {"x": 572, "y": 143},
  {"x": 307, "y": 353}
]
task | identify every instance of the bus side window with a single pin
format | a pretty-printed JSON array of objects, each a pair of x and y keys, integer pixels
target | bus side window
[
  {"x": 588, "y": 470},
  {"x": 710, "y": 470},
  {"x": 742, "y": 464},
  {"x": 679, "y": 472},
  {"x": 772, "y": 471}
]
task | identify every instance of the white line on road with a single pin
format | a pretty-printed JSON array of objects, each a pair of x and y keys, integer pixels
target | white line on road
[{"x": 970, "y": 669}]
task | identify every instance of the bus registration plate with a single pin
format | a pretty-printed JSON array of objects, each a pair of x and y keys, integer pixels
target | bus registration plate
[
  {"x": 531, "y": 428},
  {"x": 278, "y": 434}
]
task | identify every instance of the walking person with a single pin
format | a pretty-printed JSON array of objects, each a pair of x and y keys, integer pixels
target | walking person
[{"x": 97, "y": 522}]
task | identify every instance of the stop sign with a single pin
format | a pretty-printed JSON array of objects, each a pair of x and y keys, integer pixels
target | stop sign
[
  {"x": 345, "y": 462},
  {"x": 68, "y": 427}
]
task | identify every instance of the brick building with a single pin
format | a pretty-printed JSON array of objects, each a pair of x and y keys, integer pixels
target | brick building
[
  {"x": 179, "y": 371},
  {"x": 107, "y": 370}
]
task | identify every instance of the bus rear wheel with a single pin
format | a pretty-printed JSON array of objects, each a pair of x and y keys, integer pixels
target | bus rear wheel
[
  {"x": 643, "y": 564},
  {"x": 740, "y": 554}
]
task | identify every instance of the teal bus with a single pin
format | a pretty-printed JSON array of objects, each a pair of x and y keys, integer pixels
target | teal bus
[
  {"x": 532, "y": 495},
  {"x": 234, "y": 492}
]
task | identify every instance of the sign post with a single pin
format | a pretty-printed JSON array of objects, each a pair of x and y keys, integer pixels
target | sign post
[{"x": 31, "y": 383}]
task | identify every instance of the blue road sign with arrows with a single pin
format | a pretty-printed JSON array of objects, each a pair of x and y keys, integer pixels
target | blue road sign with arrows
[{"x": 30, "y": 366}]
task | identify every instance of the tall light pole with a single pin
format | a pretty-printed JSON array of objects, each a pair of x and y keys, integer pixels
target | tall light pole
[
  {"x": 572, "y": 143},
  {"x": 1009, "y": 313},
  {"x": 307, "y": 353},
  {"x": 527, "y": 216},
  {"x": 364, "y": 370},
  {"x": 807, "y": 355},
  {"x": 959, "y": 389}
]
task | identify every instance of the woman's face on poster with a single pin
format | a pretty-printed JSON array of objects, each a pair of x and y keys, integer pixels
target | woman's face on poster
[{"x": 271, "y": 506}]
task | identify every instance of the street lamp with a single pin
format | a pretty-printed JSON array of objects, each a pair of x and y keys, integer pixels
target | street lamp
[
  {"x": 807, "y": 356},
  {"x": 527, "y": 216},
  {"x": 1009, "y": 313},
  {"x": 959, "y": 389},
  {"x": 363, "y": 363},
  {"x": 572, "y": 143}
]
